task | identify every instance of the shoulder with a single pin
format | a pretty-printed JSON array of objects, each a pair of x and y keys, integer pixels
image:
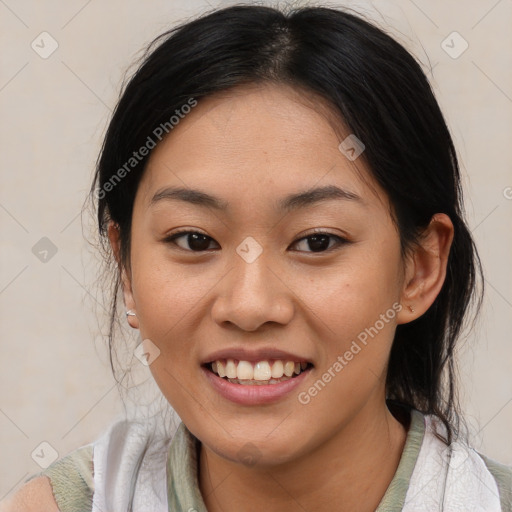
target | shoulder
[
  {"x": 502, "y": 474},
  {"x": 34, "y": 496},
  {"x": 66, "y": 485}
]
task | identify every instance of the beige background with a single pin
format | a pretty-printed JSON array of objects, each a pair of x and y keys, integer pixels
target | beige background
[{"x": 56, "y": 385}]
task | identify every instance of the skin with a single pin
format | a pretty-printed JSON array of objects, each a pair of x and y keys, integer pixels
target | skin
[
  {"x": 250, "y": 147},
  {"x": 34, "y": 496}
]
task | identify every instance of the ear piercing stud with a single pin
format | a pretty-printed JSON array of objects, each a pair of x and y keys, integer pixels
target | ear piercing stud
[{"x": 411, "y": 308}]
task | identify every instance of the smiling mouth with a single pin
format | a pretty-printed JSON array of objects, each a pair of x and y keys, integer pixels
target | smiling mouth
[{"x": 257, "y": 374}]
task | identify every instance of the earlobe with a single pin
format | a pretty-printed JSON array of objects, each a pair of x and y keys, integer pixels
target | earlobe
[
  {"x": 426, "y": 268},
  {"x": 114, "y": 237}
]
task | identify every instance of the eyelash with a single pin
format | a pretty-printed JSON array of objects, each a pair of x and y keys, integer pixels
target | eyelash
[{"x": 339, "y": 240}]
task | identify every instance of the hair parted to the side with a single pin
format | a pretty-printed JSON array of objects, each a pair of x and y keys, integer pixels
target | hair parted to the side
[{"x": 377, "y": 89}]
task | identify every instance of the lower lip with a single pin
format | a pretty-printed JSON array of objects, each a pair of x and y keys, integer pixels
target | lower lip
[{"x": 246, "y": 394}]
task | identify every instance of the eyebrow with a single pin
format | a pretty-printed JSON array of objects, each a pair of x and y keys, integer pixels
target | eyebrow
[{"x": 286, "y": 204}]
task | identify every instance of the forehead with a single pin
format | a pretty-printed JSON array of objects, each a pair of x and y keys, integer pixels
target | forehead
[{"x": 253, "y": 142}]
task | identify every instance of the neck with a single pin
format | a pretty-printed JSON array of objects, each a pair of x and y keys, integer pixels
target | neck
[{"x": 363, "y": 455}]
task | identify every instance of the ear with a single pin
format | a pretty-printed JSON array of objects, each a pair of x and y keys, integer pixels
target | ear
[
  {"x": 115, "y": 242},
  {"x": 425, "y": 270}
]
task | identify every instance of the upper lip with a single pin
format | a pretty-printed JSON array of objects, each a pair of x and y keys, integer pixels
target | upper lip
[{"x": 254, "y": 355}]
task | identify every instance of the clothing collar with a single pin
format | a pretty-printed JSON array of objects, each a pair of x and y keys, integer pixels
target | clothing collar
[{"x": 182, "y": 469}]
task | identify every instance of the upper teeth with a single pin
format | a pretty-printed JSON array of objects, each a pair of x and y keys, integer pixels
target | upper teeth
[{"x": 262, "y": 370}]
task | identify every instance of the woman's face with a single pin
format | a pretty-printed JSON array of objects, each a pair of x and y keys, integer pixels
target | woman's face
[{"x": 252, "y": 288}]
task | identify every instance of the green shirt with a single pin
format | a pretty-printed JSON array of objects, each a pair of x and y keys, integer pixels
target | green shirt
[{"x": 72, "y": 477}]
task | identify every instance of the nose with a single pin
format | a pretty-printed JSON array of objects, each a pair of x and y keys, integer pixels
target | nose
[{"x": 253, "y": 294}]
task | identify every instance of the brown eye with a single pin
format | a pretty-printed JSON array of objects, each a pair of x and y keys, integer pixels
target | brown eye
[
  {"x": 320, "y": 242},
  {"x": 194, "y": 241}
]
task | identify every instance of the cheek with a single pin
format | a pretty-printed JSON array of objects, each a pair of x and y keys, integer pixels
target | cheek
[
  {"x": 354, "y": 293},
  {"x": 167, "y": 298},
  {"x": 354, "y": 338},
  {"x": 356, "y": 305},
  {"x": 165, "y": 293}
]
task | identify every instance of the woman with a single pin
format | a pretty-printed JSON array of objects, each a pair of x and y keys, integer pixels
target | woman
[{"x": 282, "y": 198}]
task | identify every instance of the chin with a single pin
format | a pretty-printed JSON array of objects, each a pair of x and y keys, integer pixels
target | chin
[{"x": 252, "y": 447}]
